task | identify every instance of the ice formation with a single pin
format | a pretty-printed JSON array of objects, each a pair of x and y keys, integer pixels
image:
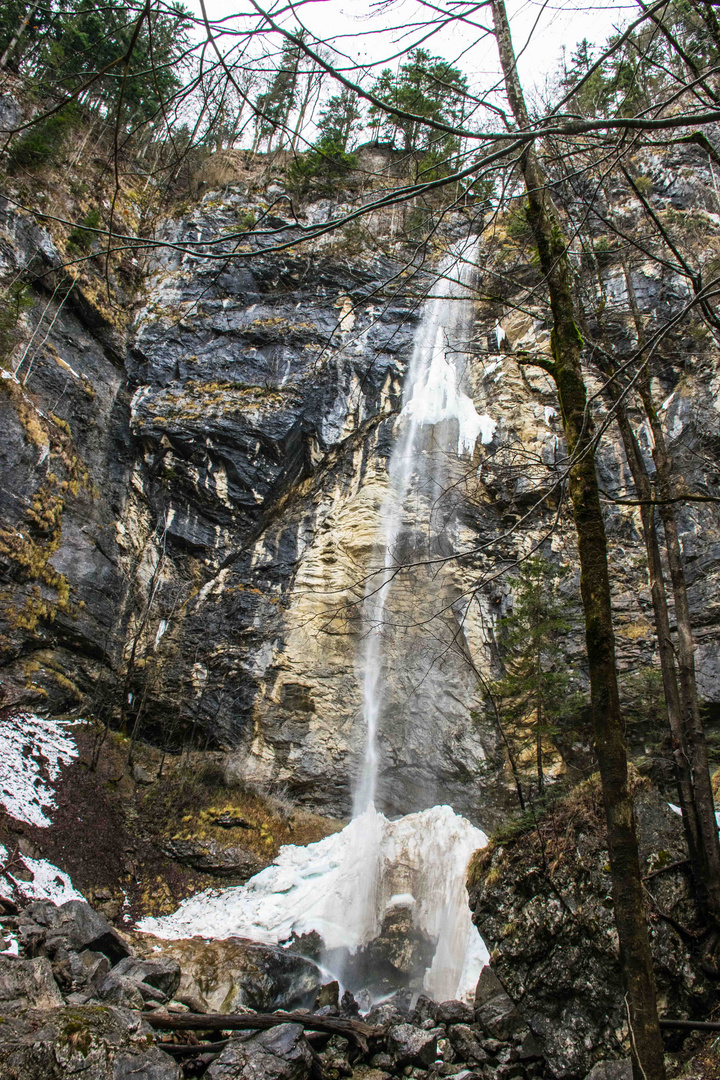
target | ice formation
[
  {"x": 419, "y": 861},
  {"x": 32, "y": 752},
  {"x": 437, "y": 397}
]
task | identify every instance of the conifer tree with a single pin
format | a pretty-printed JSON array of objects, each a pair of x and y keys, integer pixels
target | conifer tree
[{"x": 533, "y": 689}]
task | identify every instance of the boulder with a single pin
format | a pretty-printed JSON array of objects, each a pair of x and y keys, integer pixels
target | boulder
[
  {"x": 210, "y": 857},
  {"x": 335, "y": 1058},
  {"x": 74, "y": 926},
  {"x": 132, "y": 982},
  {"x": 230, "y": 974},
  {"x": 282, "y": 1053},
  {"x": 610, "y": 1070},
  {"x": 411, "y": 1045},
  {"x": 466, "y": 1044},
  {"x": 27, "y": 984},
  {"x": 97, "y": 1043},
  {"x": 454, "y": 1012}
]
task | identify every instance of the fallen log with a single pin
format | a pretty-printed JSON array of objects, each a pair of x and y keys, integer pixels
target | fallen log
[
  {"x": 187, "y": 1050},
  {"x": 356, "y": 1030},
  {"x": 692, "y": 1025}
]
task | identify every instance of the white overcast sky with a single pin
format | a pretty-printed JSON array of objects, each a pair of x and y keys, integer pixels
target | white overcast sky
[{"x": 362, "y": 29}]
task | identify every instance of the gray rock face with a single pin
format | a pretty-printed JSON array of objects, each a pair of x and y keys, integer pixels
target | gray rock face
[
  {"x": 279, "y": 1054},
  {"x": 132, "y": 982},
  {"x": 611, "y": 1070},
  {"x": 410, "y": 1045},
  {"x": 97, "y": 1043},
  {"x": 27, "y": 984},
  {"x": 72, "y": 927},
  {"x": 226, "y": 455},
  {"x": 552, "y": 937}
]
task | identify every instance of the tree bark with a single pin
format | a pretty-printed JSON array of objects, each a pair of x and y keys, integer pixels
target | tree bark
[
  {"x": 566, "y": 344},
  {"x": 694, "y": 735},
  {"x": 681, "y": 761}
]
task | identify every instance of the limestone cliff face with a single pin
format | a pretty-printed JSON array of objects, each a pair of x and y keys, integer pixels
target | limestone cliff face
[{"x": 191, "y": 505}]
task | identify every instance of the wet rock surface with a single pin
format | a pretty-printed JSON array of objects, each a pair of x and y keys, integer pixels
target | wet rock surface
[
  {"x": 82, "y": 1003},
  {"x": 98, "y": 1043},
  {"x": 543, "y": 906}
]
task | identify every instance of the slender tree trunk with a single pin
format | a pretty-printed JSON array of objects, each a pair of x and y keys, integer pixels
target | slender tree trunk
[
  {"x": 630, "y": 916},
  {"x": 539, "y": 720},
  {"x": 708, "y": 843},
  {"x": 681, "y": 760},
  {"x": 21, "y": 28}
]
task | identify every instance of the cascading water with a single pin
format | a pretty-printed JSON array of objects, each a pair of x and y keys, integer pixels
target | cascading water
[
  {"x": 431, "y": 398},
  {"x": 381, "y": 880}
]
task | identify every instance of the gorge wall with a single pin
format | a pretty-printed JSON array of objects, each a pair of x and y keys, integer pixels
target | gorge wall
[{"x": 193, "y": 475}]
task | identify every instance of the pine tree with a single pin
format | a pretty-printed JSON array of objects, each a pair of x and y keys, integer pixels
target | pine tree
[
  {"x": 338, "y": 120},
  {"x": 427, "y": 86},
  {"x": 532, "y": 693},
  {"x": 277, "y": 102}
]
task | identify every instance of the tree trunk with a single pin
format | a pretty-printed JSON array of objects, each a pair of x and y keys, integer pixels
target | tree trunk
[
  {"x": 630, "y": 917},
  {"x": 708, "y": 844},
  {"x": 681, "y": 761}
]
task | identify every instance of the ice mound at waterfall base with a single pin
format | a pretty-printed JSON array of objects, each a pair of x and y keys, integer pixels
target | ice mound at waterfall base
[{"x": 342, "y": 886}]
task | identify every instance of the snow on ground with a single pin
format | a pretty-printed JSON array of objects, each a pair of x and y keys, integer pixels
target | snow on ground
[
  {"x": 48, "y": 881},
  {"x": 32, "y": 751},
  {"x": 342, "y": 887}
]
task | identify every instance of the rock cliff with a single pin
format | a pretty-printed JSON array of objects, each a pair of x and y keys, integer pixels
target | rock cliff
[{"x": 193, "y": 474}]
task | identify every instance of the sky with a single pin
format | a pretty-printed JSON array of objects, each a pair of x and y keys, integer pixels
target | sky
[{"x": 362, "y": 30}]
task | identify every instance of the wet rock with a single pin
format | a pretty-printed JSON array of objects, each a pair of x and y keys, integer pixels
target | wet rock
[
  {"x": 279, "y": 1054},
  {"x": 73, "y": 926},
  {"x": 410, "y": 1045},
  {"x": 610, "y": 1070},
  {"x": 27, "y": 984},
  {"x": 209, "y": 857},
  {"x": 466, "y": 1044},
  {"x": 454, "y": 1012},
  {"x": 328, "y": 996},
  {"x": 230, "y": 974},
  {"x": 97, "y": 1043}
]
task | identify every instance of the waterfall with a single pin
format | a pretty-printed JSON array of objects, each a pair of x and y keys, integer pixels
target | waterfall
[
  {"x": 431, "y": 397},
  {"x": 379, "y": 881}
]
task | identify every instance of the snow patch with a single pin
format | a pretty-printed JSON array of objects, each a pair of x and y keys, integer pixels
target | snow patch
[
  {"x": 48, "y": 882},
  {"x": 421, "y": 857},
  {"x": 32, "y": 752}
]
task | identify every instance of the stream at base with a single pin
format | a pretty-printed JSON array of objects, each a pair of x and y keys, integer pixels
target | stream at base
[{"x": 385, "y": 897}]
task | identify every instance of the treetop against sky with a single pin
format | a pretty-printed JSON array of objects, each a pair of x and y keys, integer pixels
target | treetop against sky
[{"x": 373, "y": 34}]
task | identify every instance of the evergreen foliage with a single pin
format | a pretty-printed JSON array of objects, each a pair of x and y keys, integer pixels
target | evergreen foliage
[
  {"x": 532, "y": 695},
  {"x": 426, "y": 86}
]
